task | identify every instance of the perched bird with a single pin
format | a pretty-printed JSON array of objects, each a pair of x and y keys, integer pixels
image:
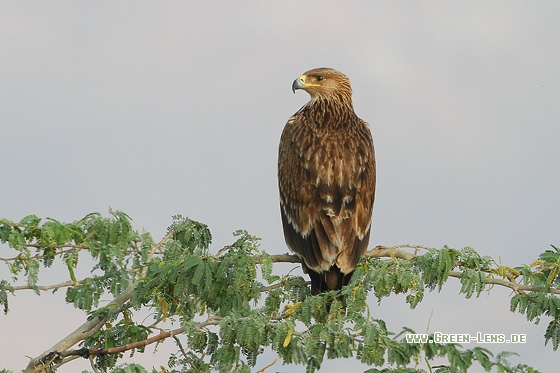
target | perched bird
[{"x": 326, "y": 177}]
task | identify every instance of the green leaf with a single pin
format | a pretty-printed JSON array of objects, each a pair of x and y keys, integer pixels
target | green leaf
[
  {"x": 4, "y": 288},
  {"x": 552, "y": 333}
]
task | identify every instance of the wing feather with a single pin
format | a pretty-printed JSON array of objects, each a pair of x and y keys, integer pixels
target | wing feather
[{"x": 327, "y": 186}]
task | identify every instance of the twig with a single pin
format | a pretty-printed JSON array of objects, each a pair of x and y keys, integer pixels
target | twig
[
  {"x": 269, "y": 365},
  {"x": 55, "y": 357},
  {"x": 422, "y": 346},
  {"x": 46, "y": 287},
  {"x": 178, "y": 342},
  {"x": 126, "y": 347},
  {"x": 61, "y": 285}
]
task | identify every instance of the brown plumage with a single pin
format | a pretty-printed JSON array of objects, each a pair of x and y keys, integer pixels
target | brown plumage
[{"x": 326, "y": 176}]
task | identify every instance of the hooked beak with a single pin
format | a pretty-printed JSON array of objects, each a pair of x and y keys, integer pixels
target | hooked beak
[{"x": 299, "y": 83}]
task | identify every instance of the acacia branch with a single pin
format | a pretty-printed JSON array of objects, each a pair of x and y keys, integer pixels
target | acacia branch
[
  {"x": 376, "y": 252},
  {"x": 269, "y": 365},
  {"x": 47, "y": 287},
  {"x": 85, "y": 331},
  {"x": 72, "y": 248},
  {"x": 60, "y": 285},
  {"x": 86, "y": 353},
  {"x": 91, "y": 326},
  {"x": 60, "y": 353},
  {"x": 56, "y": 357},
  {"x": 398, "y": 252}
]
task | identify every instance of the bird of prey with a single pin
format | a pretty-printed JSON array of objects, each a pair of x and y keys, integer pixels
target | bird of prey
[{"x": 326, "y": 177}]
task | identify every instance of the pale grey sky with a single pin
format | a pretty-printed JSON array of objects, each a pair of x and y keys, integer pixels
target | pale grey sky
[{"x": 162, "y": 108}]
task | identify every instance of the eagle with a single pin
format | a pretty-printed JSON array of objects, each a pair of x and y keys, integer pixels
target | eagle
[{"x": 326, "y": 177}]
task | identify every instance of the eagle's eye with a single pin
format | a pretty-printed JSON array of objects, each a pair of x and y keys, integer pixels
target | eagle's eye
[{"x": 319, "y": 78}]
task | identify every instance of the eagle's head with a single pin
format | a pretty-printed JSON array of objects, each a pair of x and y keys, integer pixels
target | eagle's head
[{"x": 324, "y": 83}]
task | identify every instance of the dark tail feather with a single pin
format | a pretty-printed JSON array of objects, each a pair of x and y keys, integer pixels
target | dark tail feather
[{"x": 332, "y": 279}]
